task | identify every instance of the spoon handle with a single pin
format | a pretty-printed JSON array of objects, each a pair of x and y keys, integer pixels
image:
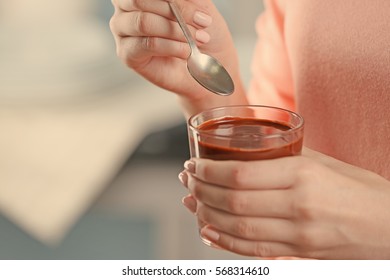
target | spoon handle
[{"x": 183, "y": 26}]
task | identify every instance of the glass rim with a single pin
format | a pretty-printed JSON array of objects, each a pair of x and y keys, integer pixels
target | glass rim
[{"x": 278, "y": 134}]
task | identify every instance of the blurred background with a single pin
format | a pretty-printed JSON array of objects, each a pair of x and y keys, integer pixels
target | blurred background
[{"x": 90, "y": 152}]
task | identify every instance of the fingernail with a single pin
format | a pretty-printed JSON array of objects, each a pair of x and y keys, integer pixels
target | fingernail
[
  {"x": 202, "y": 36},
  {"x": 183, "y": 178},
  {"x": 190, "y": 166},
  {"x": 190, "y": 203},
  {"x": 202, "y": 19},
  {"x": 210, "y": 234}
]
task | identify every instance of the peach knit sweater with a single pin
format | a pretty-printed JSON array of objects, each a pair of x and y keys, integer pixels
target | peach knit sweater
[{"x": 330, "y": 61}]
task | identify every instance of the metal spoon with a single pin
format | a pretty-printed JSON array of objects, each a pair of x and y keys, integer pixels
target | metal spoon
[{"x": 205, "y": 69}]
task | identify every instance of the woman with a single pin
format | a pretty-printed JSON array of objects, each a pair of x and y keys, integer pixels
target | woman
[{"x": 328, "y": 60}]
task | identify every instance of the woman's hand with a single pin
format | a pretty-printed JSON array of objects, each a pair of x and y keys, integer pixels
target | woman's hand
[
  {"x": 150, "y": 41},
  {"x": 309, "y": 206}
]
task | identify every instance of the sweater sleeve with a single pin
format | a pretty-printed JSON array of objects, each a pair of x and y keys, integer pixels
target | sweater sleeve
[{"x": 271, "y": 82}]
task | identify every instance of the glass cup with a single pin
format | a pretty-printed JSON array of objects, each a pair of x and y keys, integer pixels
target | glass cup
[{"x": 247, "y": 132}]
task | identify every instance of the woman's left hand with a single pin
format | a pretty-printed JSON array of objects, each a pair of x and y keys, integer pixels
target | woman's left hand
[{"x": 308, "y": 206}]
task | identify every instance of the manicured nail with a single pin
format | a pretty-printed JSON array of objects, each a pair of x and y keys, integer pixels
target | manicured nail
[
  {"x": 210, "y": 234},
  {"x": 202, "y": 19},
  {"x": 190, "y": 166},
  {"x": 190, "y": 203},
  {"x": 183, "y": 178},
  {"x": 202, "y": 36}
]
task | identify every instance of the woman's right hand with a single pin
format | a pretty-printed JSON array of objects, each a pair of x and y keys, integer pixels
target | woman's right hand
[{"x": 150, "y": 41}]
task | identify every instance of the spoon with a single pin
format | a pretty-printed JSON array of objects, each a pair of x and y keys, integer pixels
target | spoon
[{"x": 205, "y": 69}]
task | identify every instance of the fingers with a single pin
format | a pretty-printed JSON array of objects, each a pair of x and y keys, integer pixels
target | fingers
[
  {"x": 278, "y": 173},
  {"x": 245, "y": 236},
  {"x": 134, "y": 49},
  {"x": 267, "y": 203},
  {"x": 190, "y": 203},
  {"x": 144, "y": 33},
  {"x": 263, "y": 249},
  {"x": 147, "y": 36},
  {"x": 141, "y": 14},
  {"x": 139, "y": 23},
  {"x": 156, "y": 6},
  {"x": 251, "y": 228}
]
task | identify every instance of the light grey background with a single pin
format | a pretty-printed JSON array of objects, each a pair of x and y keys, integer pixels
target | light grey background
[{"x": 140, "y": 215}]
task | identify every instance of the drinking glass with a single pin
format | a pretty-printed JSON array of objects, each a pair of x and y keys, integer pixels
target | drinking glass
[{"x": 245, "y": 133}]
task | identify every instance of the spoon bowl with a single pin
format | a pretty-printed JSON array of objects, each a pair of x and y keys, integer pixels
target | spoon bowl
[{"x": 205, "y": 69}]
